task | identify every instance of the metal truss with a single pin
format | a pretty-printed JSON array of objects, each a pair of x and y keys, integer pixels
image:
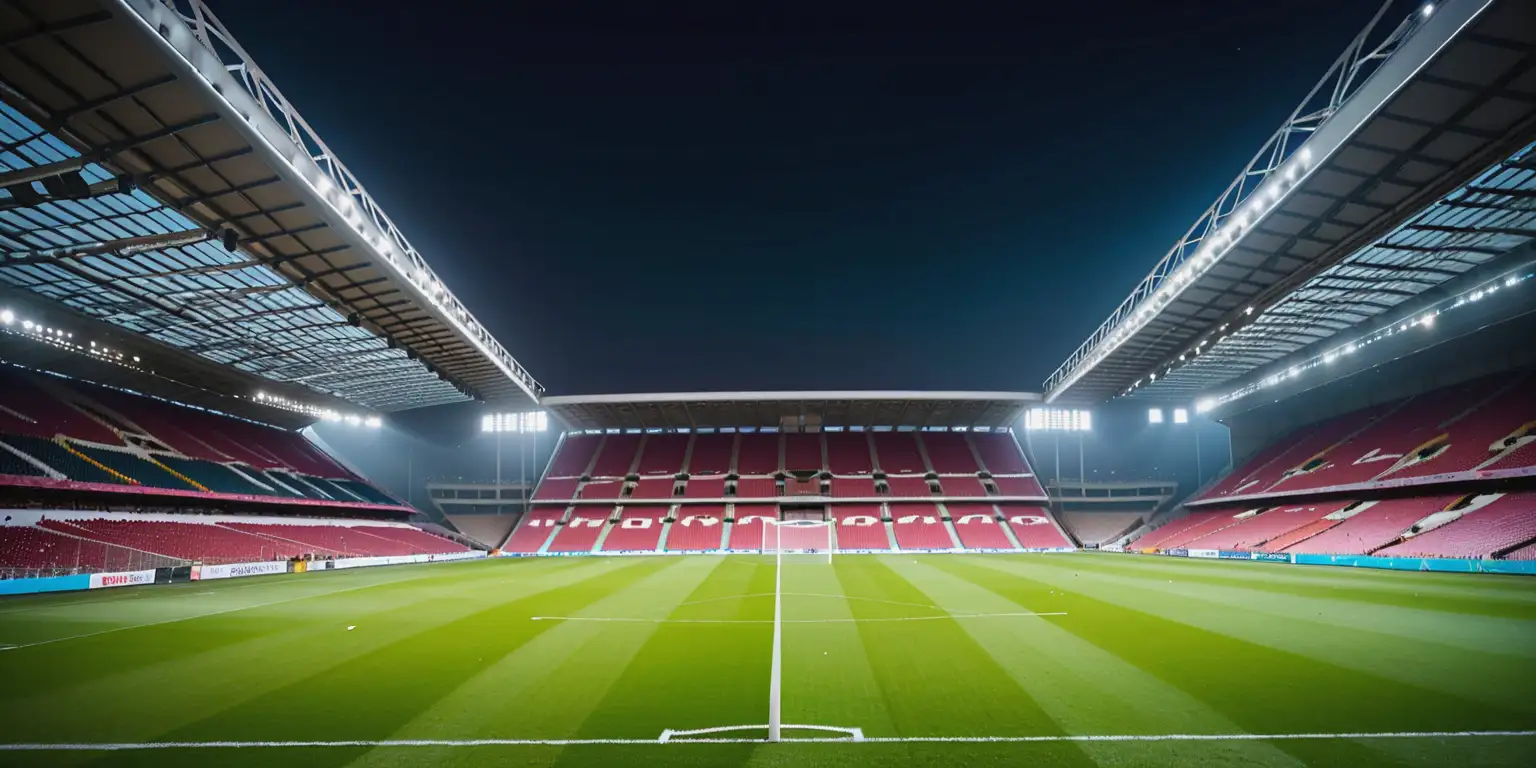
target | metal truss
[{"x": 1271, "y": 171}]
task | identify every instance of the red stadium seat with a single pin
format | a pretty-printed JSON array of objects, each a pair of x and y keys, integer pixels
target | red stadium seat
[
  {"x": 638, "y": 530},
  {"x": 653, "y": 488},
  {"x": 978, "y": 527},
  {"x": 1018, "y": 486},
  {"x": 705, "y": 488},
  {"x": 711, "y": 454},
  {"x": 919, "y": 527},
  {"x": 950, "y": 453},
  {"x": 907, "y": 488},
  {"x": 580, "y": 532},
  {"x": 1033, "y": 527},
  {"x": 575, "y": 455},
  {"x": 747, "y": 531},
  {"x": 1372, "y": 527},
  {"x": 663, "y": 454},
  {"x": 859, "y": 527},
  {"x": 1505, "y": 524},
  {"x": 757, "y": 454},
  {"x": 853, "y": 487},
  {"x": 533, "y": 530},
  {"x": 1000, "y": 453},
  {"x": 756, "y": 488},
  {"x": 848, "y": 453},
  {"x": 1250, "y": 532},
  {"x": 698, "y": 528},
  {"x": 962, "y": 487},
  {"x": 803, "y": 453},
  {"x": 898, "y": 453},
  {"x": 617, "y": 456}
]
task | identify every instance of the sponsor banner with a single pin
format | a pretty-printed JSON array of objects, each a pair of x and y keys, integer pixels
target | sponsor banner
[
  {"x": 1178, "y": 552},
  {"x": 237, "y": 570},
  {"x": 1272, "y": 557},
  {"x": 46, "y": 584},
  {"x": 1208, "y": 554},
  {"x": 1421, "y": 564},
  {"x": 128, "y": 579},
  {"x": 365, "y": 562},
  {"x": 1230, "y": 555},
  {"x": 1111, "y": 548}
]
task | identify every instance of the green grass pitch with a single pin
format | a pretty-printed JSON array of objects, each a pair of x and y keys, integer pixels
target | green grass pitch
[{"x": 897, "y": 646}]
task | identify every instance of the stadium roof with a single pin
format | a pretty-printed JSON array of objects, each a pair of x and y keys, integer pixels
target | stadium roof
[
  {"x": 137, "y": 135},
  {"x": 1408, "y": 166},
  {"x": 706, "y": 410}
]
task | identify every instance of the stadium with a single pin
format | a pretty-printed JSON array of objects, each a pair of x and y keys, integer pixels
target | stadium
[{"x": 271, "y": 494}]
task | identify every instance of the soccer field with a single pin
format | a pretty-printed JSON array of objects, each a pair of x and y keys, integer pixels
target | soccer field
[{"x": 1065, "y": 659}]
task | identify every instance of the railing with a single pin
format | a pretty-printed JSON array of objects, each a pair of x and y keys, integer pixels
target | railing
[
  {"x": 1210, "y": 236},
  {"x": 337, "y": 185},
  {"x": 93, "y": 557}
]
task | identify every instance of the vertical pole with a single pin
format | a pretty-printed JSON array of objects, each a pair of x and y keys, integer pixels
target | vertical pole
[
  {"x": 1082, "y": 472},
  {"x": 1199, "y": 467},
  {"x": 497, "y": 433},
  {"x": 774, "y": 696}
]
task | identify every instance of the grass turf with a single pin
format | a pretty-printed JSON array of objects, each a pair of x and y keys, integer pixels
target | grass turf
[{"x": 892, "y": 645}]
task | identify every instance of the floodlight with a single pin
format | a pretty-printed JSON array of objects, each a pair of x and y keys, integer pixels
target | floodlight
[
  {"x": 7, "y": 317},
  {"x": 1427, "y": 320},
  {"x": 373, "y": 422},
  {"x": 1204, "y": 405},
  {"x": 1429, "y": 9},
  {"x": 1154, "y": 415},
  {"x": 1180, "y": 416}
]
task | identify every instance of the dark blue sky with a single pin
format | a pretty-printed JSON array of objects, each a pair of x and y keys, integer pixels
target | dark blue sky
[{"x": 730, "y": 196}]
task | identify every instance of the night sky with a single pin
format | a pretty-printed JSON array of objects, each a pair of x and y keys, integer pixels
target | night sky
[{"x": 723, "y": 196}]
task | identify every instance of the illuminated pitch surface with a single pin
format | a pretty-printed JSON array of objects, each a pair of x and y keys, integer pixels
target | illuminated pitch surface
[{"x": 1147, "y": 647}]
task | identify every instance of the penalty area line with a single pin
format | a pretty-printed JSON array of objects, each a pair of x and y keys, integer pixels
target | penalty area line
[{"x": 404, "y": 743}]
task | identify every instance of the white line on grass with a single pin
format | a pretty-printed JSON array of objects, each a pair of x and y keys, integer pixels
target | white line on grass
[
  {"x": 388, "y": 743},
  {"x": 630, "y": 620}
]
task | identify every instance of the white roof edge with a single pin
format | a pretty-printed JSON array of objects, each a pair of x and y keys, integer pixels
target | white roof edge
[{"x": 723, "y": 397}]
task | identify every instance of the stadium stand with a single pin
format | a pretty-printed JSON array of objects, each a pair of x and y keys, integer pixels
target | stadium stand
[
  {"x": 1033, "y": 527},
  {"x": 711, "y": 454},
  {"x": 1527, "y": 552},
  {"x": 907, "y": 488},
  {"x": 1176, "y": 533},
  {"x": 581, "y": 531},
  {"x": 999, "y": 453},
  {"x": 616, "y": 456},
  {"x": 961, "y": 487},
  {"x": 574, "y": 455},
  {"x": 490, "y": 530},
  {"x": 653, "y": 488},
  {"x": 898, "y": 454},
  {"x": 1096, "y": 527},
  {"x": 757, "y": 454},
  {"x": 1018, "y": 486},
  {"x": 534, "y": 530},
  {"x": 803, "y": 453},
  {"x": 556, "y": 489},
  {"x": 756, "y": 488},
  {"x": 638, "y": 530},
  {"x": 978, "y": 527},
  {"x": 26, "y": 550},
  {"x": 705, "y": 488},
  {"x": 858, "y": 526},
  {"x": 1259, "y": 526},
  {"x": 663, "y": 454},
  {"x": 853, "y": 487},
  {"x": 747, "y": 530},
  {"x": 1503, "y": 525},
  {"x": 601, "y": 489},
  {"x": 848, "y": 453},
  {"x": 919, "y": 526},
  {"x": 698, "y": 528},
  {"x": 1369, "y": 526},
  {"x": 950, "y": 453}
]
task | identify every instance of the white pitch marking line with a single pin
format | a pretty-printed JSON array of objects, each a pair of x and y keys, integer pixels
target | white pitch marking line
[
  {"x": 386, "y": 743},
  {"x": 625, "y": 620}
]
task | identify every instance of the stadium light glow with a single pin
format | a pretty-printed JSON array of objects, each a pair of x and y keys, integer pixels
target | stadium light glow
[
  {"x": 1429, "y": 10},
  {"x": 1180, "y": 416},
  {"x": 1154, "y": 415},
  {"x": 1204, "y": 405},
  {"x": 521, "y": 423},
  {"x": 7, "y": 317},
  {"x": 1058, "y": 420}
]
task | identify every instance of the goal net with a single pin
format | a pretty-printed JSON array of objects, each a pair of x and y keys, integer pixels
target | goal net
[{"x": 805, "y": 539}]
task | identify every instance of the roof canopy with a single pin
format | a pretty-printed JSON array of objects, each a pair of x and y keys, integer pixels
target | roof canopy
[{"x": 706, "y": 410}]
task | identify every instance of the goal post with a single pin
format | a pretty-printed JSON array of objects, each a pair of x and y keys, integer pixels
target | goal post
[{"x": 812, "y": 538}]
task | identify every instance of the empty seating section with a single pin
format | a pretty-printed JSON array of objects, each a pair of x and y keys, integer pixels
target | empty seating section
[
  {"x": 853, "y": 487},
  {"x": 1286, "y": 540},
  {"x": 1527, "y": 552},
  {"x": 802, "y": 452},
  {"x": 653, "y": 488},
  {"x": 215, "y": 477},
  {"x": 756, "y": 488},
  {"x": 1372, "y": 527},
  {"x": 1254, "y": 477},
  {"x": 978, "y": 527},
  {"x": 1252, "y": 531},
  {"x": 907, "y": 487},
  {"x": 1099, "y": 527},
  {"x": 638, "y": 530},
  {"x": 28, "y": 550},
  {"x": 1503, "y": 525},
  {"x": 919, "y": 526},
  {"x": 602, "y": 489},
  {"x": 556, "y": 488},
  {"x": 663, "y": 454},
  {"x": 61, "y": 459},
  {"x": 711, "y": 454},
  {"x": 534, "y": 530},
  {"x": 575, "y": 454},
  {"x": 1018, "y": 486},
  {"x": 858, "y": 526},
  {"x": 186, "y": 541},
  {"x": 1484, "y": 435},
  {"x": 1177, "y": 533},
  {"x": 580, "y": 532},
  {"x": 1392, "y": 439},
  {"x": 963, "y": 487},
  {"x": 338, "y": 540},
  {"x": 848, "y": 453},
  {"x": 757, "y": 454},
  {"x": 950, "y": 453},
  {"x": 705, "y": 488},
  {"x": 11, "y": 464},
  {"x": 697, "y": 528},
  {"x": 490, "y": 530},
  {"x": 365, "y": 491},
  {"x": 898, "y": 453},
  {"x": 1000, "y": 453},
  {"x": 747, "y": 531},
  {"x": 46, "y": 415},
  {"x": 617, "y": 456},
  {"x": 414, "y": 540},
  {"x": 1033, "y": 527},
  {"x": 141, "y": 470}
]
